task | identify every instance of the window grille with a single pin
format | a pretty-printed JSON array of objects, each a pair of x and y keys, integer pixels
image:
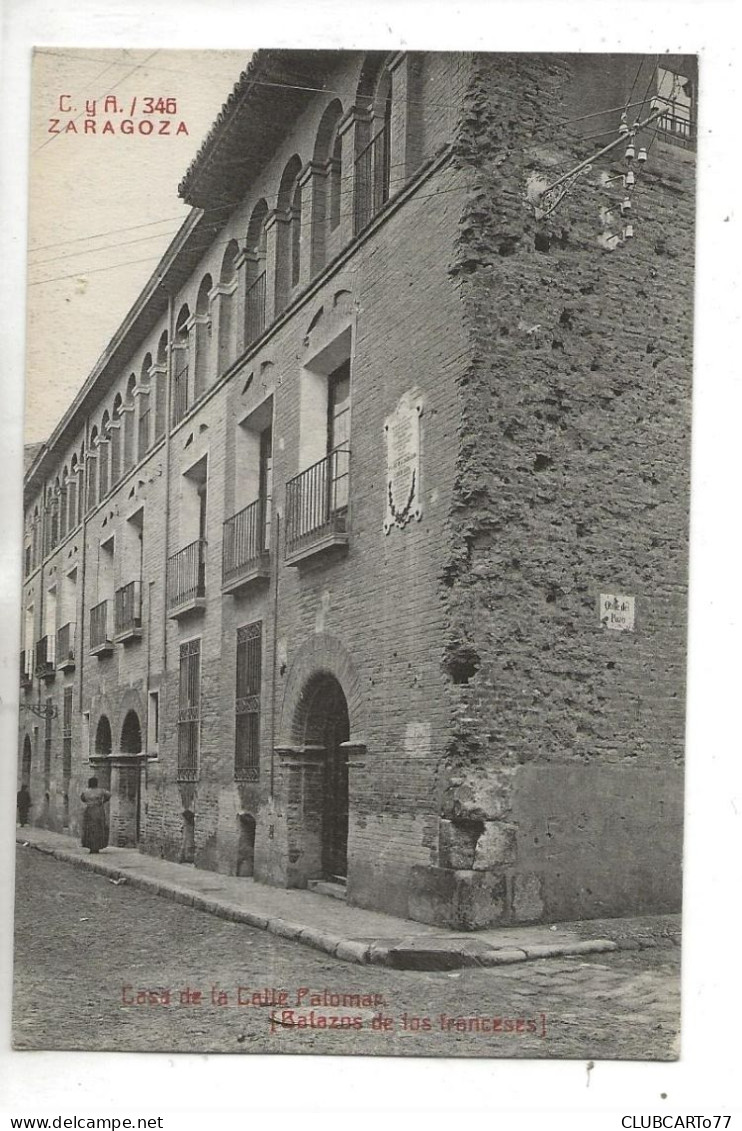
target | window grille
[
  {"x": 247, "y": 702},
  {"x": 189, "y": 710}
]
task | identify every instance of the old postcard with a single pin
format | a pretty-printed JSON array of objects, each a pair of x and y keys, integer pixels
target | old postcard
[{"x": 355, "y": 555}]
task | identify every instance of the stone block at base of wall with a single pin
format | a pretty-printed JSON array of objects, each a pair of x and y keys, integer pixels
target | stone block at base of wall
[{"x": 463, "y": 900}]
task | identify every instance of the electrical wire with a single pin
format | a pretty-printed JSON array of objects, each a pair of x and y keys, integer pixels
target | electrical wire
[{"x": 274, "y": 84}]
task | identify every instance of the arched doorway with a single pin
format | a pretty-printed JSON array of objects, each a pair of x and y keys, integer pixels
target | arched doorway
[
  {"x": 126, "y": 804},
  {"x": 26, "y": 762},
  {"x": 103, "y": 746},
  {"x": 131, "y": 734},
  {"x": 326, "y": 725}
]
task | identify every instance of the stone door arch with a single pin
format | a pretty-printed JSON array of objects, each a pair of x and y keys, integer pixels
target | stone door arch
[{"x": 326, "y": 726}]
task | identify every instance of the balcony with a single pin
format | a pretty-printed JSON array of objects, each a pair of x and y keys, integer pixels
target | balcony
[
  {"x": 45, "y": 657},
  {"x": 245, "y": 554},
  {"x": 186, "y": 580},
  {"x": 675, "y": 123},
  {"x": 128, "y": 613},
  {"x": 255, "y": 310},
  {"x": 101, "y": 643},
  {"x": 317, "y": 509},
  {"x": 66, "y": 648},
  {"x": 26, "y": 680}
]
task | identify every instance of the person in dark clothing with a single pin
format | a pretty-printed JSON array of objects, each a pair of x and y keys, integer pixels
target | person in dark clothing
[
  {"x": 23, "y": 801},
  {"x": 94, "y": 821}
]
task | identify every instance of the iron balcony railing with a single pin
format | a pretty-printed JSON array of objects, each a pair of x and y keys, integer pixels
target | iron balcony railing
[
  {"x": 255, "y": 310},
  {"x": 372, "y": 169},
  {"x": 128, "y": 611},
  {"x": 45, "y": 655},
  {"x": 180, "y": 394},
  {"x": 66, "y": 645},
  {"x": 99, "y": 626},
  {"x": 317, "y": 501},
  {"x": 678, "y": 126},
  {"x": 244, "y": 541},
  {"x": 186, "y": 574}
]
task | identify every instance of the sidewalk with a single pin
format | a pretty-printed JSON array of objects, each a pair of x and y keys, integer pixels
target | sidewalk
[{"x": 351, "y": 933}]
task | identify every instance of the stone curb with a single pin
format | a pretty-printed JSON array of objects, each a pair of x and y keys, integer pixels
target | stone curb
[{"x": 400, "y": 954}]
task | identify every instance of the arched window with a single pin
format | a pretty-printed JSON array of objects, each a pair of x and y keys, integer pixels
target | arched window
[
  {"x": 104, "y": 442},
  {"x": 81, "y": 483},
  {"x": 72, "y": 494},
  {"x": 227, "y": 283},
  {"x": 128, "y": 413},
  {"x": 255, "y": 273},
  {"x": 288, "y": 258},
  {"x": 295, "y": 229},
  {"x": 115, "y": 432},
  {"x": 144, "y": 408},
  {"x": 53, "y": 505},
  {"x": 202, "y": 338},
  {"x": 35, "y": 537},
  {"x": 181, "y": 350},
  {"x": 63, "y": 526},
  {"x": 92, "y": 477},
  {"x": 161, "y": 386},
  {"x": 326, "y": 185},
  {"x": 373, "y": 149}
]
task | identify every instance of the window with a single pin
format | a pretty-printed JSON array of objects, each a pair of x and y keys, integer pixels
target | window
[
  {"x": 247, "y": 702},
  {"x": 72, "y": 495},
  {"x": 143, "y": 428},
  {"x": 247, "y": 534},
  {"x": 63, "y": 527},
  {"x": 103, "y": 445},
  {"x": 186, "y": 569},
  {"x": 226, "y": 351},
  {"x": 325, "y": 183},
  {"x": 161, "y": 386},
  {"x": 153, "y": 723},
  {"x": 189, "y": 710},
  {"x": 255, "y": 252},
  {"x": 92, "y": 484},
  {"x": 128, "y": 414},
  {"x": 202, "y": 338},
  {"x": 288, "y": 234},
  {"x": 101, "y": 615},
  {"x": 128, "y": 601},
  {"x": 317, "y": 498},
  {"x": 373, "y": 160},
  {"x": 53, "y": 506},
  {"x": 181, "y": 350},
  {"x": 116, "y": 439}
]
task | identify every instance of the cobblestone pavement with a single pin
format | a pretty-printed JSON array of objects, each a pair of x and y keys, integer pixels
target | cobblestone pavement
[{"x": 81, "y": 938}]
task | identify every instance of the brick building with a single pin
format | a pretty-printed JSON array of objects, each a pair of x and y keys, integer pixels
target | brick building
[{"x": 359, "y": 561}]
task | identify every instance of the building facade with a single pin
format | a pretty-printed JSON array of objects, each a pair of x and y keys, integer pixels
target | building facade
[{"x": 359, "y": 563}]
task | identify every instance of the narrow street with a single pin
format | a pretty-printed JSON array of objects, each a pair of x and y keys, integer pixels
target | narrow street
[{"x": 102, "y": 966}]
